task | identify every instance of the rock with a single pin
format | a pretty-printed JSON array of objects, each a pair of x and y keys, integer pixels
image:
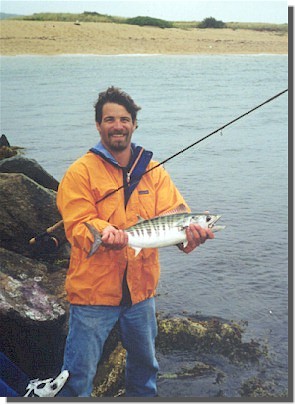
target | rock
[
  {"x": 109, "y": 380},
  {"x": 198, "y": 370},
  {"x": 6, "y": 152},
  {"x": 29, "y": 167},
  {"x": 256, "y": 388},
  {"x": 32, "y": 320},
  {"x": 26, "y": 210},
  {"x": 4, "y": 141},
  {"x": 210, "y": 336}
]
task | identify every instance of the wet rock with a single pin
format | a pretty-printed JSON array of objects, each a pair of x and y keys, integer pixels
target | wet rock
[
  {"x": 109, "y": 380},
  {"x": 26, "y": 210},
  {"x": 6, "y": 152},
  {"x": 32, "y": 320},
  {"x": 212, "y": 336},
  {"x": 4, "y": 141},
  {"x": 29, "y": 167},
  {"x": 198, "y": 370},
  {"x": 20, "y": 267},
  {"x": 256, "y": 388}
]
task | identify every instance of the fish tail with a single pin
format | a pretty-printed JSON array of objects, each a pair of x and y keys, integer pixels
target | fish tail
[{"x": 97, "y": 239}]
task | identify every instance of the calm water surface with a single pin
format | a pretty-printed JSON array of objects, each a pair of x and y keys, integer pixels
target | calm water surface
[{"x": 241, "y": 173}]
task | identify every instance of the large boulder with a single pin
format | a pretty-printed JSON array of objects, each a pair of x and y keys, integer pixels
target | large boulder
[
  {"x": 29, "y": 167},
  {"x": 32, "y": 319},
  {"x": 26, "y": 210}
]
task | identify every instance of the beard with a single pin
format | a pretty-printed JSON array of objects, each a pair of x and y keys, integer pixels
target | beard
[{"x": 118, "y": 141}]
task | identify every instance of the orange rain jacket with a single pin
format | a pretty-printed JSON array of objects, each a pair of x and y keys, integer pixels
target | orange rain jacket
[{"x": 98, "y": 280}]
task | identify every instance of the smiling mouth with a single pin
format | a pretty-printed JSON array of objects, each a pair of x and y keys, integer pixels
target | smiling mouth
[{"x": 119, "y": 135}]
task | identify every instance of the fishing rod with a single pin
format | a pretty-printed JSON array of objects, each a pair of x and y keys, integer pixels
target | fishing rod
[{"x": 136, "y": 179}]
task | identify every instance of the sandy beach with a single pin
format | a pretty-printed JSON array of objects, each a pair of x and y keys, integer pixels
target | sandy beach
[{"x": 54, "y": 38}]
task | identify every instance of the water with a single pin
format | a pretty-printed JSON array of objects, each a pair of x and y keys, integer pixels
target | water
[{"x": 241, "y": 173}]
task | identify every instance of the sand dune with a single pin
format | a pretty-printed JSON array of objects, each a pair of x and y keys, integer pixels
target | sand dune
[{"x": 53, "y": 38}]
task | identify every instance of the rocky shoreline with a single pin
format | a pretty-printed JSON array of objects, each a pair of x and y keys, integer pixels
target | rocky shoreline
[{"x": 33, "y": 306}]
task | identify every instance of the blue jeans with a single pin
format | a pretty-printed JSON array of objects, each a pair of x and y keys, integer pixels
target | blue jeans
[{"x": 89, "y": 327}]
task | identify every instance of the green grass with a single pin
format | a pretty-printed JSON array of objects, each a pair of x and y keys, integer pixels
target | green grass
[
  {"x": 89, "y": 16},
  {"x": 258, "y": 27},
  {"x": 69, "y": 17}
]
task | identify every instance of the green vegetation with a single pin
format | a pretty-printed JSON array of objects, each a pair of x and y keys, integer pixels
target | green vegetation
[
  {"x": 210, "y": 22},
  {"x": 87, "y": 16},
  {"x": 154, "y": 22},
  {"x": 279, "y": 28}
]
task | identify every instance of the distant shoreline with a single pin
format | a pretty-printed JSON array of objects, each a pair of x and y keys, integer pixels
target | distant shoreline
[{"x": 67, "y": 38}]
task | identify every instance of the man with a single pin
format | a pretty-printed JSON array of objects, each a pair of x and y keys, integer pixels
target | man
[{"x": 113, "y": 284}]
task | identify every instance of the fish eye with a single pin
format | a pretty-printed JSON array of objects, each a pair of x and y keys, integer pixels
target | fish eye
[{"x": 208, "y": 218}]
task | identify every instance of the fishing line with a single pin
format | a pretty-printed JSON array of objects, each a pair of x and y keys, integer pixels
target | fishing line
[{"x": 135, "y": 180}]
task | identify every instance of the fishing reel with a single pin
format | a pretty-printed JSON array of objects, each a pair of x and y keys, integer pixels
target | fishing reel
[{"x": 44, "y": 244}]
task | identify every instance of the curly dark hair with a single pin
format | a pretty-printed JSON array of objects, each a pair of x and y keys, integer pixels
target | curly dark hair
[{"x": 115, "y": 95}]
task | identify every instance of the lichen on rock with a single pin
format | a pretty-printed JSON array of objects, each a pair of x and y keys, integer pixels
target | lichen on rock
[{"x": 211, "y": 336}]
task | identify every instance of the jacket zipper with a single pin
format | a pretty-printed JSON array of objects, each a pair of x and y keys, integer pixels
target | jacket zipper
[{"x": 128, "y": 174}]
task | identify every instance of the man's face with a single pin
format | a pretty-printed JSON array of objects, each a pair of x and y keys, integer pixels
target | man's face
[{"x": 116, "y": 127}]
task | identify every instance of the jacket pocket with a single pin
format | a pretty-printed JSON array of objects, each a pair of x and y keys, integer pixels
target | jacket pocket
[{"x": 146, "y": 204}]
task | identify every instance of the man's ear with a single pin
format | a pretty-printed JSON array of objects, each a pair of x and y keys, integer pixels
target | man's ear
[{"x": 97, "y": 126}]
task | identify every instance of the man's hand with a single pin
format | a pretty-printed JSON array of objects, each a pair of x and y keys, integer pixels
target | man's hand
[
  {"x": 196, "y": 235},
  {"x": 113, "y": 238}
]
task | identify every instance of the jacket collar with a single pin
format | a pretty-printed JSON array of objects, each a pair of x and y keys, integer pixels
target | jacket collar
[
  {"x": 135, "y": 169},
  {"x": 100, "y": 150}
]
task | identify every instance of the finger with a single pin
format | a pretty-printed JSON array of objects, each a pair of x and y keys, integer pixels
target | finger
[
  {"x": 120, "y": 239},
  {"x": 204, "y": 233},
  {"x": 194, "y": 236},
  {"x": 108, "y": 238},
  {"x": 117, "y": 240},
  {"x": 210, "y": 234},
  {"x": 198, "y": 233},
  {"x": 193, "y": 240}
]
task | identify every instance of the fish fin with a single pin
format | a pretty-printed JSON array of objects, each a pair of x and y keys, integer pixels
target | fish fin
[
  {"x": 97, "y": 239},
  {"x": 140, "y": 219},
  {"x": 185, "y": 243},
  {"x": 181, "y": 209},
  {"x": 137, "y": 251}
]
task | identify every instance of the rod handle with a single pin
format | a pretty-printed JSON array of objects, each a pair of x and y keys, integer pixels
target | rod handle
[{"x": 48, "y": 230}]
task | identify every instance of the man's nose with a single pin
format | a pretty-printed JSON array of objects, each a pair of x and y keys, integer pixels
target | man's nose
[{"x": 118, "y": 125}]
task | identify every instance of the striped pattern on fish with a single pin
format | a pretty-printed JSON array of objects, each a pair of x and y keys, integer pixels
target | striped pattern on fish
[{"x": 161, "y": 231}]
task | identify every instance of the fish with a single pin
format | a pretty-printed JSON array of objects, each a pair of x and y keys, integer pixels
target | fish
[{"x": 161, "y": 231}]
